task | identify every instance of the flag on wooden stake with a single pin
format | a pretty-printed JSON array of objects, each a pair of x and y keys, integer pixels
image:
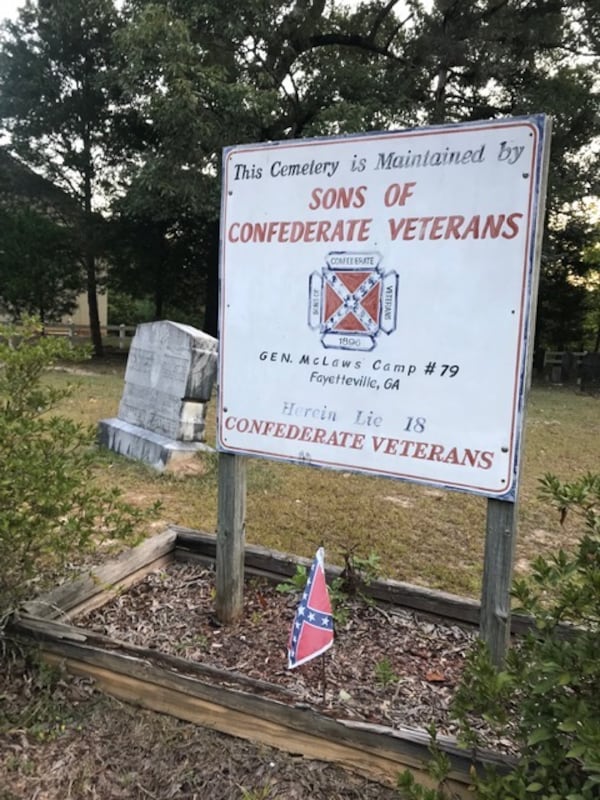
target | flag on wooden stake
[{"x": 312, "y": 631}]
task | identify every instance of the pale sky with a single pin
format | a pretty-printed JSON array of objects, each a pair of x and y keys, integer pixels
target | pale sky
[{"x": 9, "y": 7}]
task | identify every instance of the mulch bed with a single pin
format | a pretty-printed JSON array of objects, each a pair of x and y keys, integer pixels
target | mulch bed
[{"x": 386, "y": 666}]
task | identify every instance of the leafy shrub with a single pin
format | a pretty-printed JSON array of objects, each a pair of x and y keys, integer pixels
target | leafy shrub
[
  {"x": 50, "y": 507},
  {"x": 123, "y": 309},
  {"x": 356, "y": 576},
  {"x": 297, "y": 582},
  {"x": 547, "y": 696}
]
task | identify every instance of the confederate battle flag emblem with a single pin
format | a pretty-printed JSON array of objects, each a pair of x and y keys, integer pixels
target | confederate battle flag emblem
[
  {"x": 352, "y": 300},
  {"x": 312, "y": 630}
]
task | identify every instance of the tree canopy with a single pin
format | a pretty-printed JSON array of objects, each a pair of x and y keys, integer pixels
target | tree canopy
[
  {"x": 132, "y": 107},
  {"x": 39, "y": 273},
  {"x": 57, "y": 81}
]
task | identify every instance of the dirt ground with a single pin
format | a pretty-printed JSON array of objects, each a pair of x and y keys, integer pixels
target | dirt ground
[{"x": 62, "y": 740}]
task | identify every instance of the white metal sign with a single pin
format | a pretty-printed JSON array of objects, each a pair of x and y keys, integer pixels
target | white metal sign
[{"x": 376, "y": 297}]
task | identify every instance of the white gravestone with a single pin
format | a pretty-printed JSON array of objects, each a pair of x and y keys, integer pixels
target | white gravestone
[{"x": 171, "y": 370}]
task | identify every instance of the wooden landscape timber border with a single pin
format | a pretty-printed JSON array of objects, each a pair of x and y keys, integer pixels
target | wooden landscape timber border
[{"x": 227, "y": 701}]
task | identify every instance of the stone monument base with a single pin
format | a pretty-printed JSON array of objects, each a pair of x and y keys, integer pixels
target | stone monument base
[{"x": 144, "y": 445}]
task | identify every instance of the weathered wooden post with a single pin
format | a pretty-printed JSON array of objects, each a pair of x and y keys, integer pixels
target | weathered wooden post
[
  {"x": 501, "y": 519},
  {"x": 230, "y": 537},
  {"x": 500, "y": 537}
]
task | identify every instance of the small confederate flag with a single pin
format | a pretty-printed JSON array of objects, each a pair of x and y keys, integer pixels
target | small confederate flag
[{"x": 312, "y": 631}]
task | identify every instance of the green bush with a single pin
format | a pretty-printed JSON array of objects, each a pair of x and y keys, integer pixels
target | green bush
[
  {"x": 547, "y": 696},
  {"x": 51, "y": 510},
  {"x": 123, "y": 309}
]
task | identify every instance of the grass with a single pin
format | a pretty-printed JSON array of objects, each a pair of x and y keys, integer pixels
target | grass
[{"x": 423, "y": 535}]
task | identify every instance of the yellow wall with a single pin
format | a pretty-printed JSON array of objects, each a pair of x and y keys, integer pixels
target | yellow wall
[{"x": 81, "y": 314}]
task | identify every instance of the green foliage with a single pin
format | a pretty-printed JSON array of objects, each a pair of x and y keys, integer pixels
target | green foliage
[
  {"x": 356, "y": 575},
  {"x": 296, "y": 583},
  {"x": 546, "y": 698},
  {"x": 124, "y": 309},
  {"x": 359, "y": 571},
  {"x": 260, "y": 793},
  {"x": 134, "y": 102},
  {"x": 592, "y": 304},
  {"x": 384, "y": 673},
  {"x": 51, "y": 510},
  {"x": 569, "y": 296},
  {"x": 39, "y": 273},
  {"x": 202, "y": 75},
  {"x": 339, "y": 602},
  {"x": 59, "y": 105},
  {"x": 438, "y": 769}
]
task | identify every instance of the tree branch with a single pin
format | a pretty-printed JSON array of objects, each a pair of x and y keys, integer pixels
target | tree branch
[
  {"x": 380, "y": 18},
  {"x": 350, "y": 40}
]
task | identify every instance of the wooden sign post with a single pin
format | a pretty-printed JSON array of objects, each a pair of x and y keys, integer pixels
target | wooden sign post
[
  {"x": 230, "y": 537},
  {"x": 500, "y": 538}
]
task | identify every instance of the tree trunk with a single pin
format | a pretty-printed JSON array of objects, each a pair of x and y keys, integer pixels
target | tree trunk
[
  {"x": 439, "y": 97},
  {"x": 158, "y": 301},
  {"x": 211, "y": 308},
  {"x": 92, "y": 297},
  {"x": 89, "y": 255},
  {"x": 159, "y": 266},
  {"x": 211, "y": 304}
]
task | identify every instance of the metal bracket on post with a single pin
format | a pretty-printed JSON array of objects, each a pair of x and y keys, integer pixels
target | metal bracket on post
[
  {"x": 230, "y": 537},
  {"x": 494, "y": 623}
]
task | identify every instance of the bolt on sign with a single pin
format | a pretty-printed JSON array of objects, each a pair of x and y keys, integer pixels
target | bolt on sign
[{"x": 377, "y": 298}]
